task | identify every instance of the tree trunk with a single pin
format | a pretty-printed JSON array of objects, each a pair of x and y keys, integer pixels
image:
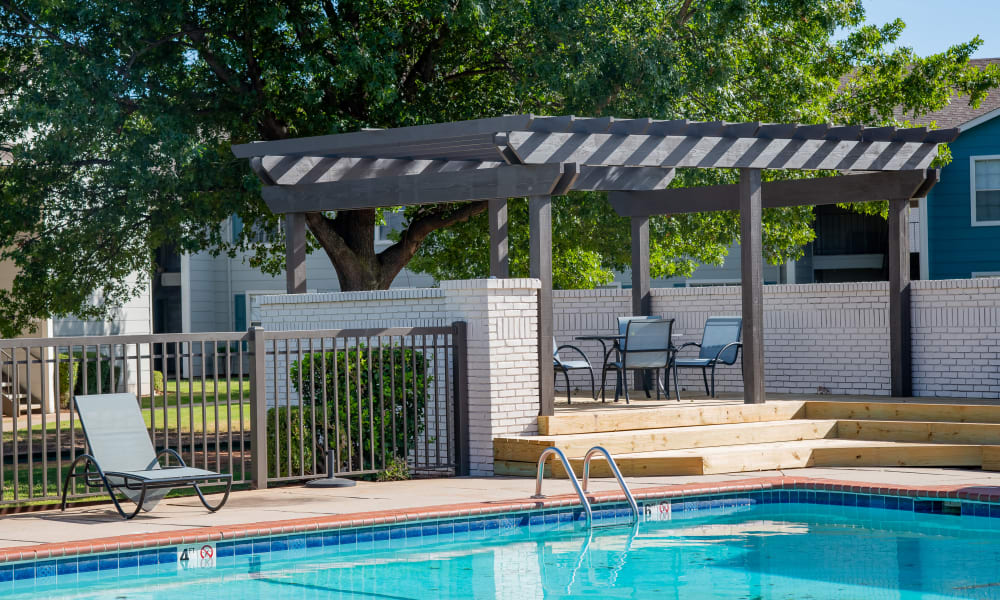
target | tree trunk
[{"x": 349, "y": 241}]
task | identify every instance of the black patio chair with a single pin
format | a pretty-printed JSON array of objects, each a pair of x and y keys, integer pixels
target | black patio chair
[
  {"x": 123, "y": 458},
  {"x": 565, "y": 366},
  {"x": 720, "y": 345},
  {"x": 646, "y": 347}
]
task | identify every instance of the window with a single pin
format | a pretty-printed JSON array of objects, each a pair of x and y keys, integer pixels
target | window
[
  {"x": 985, "y": 190},
  {"x": 260, "y": 235}
]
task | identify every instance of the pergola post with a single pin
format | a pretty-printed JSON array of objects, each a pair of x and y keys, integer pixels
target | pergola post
[
  {"x": 752, "y": 280},
  {"x": 641, "y": 300},
  {"x": 540, "y": 228},
  {"x": 900, "y": 367},
  {"x": 499, "y": 259},
  {"x": 295, "y": 253}
]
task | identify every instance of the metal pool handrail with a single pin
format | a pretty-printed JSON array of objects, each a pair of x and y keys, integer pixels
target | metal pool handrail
[
  {"x": 617, "y": 474},
  {"x": 569, "y": 472}
]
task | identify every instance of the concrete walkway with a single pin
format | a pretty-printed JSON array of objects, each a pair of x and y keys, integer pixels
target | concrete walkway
[{"x": 288, "y": 503}]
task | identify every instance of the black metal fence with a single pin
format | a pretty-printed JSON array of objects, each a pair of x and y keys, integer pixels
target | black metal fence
[{"x": 374, "y": 400}]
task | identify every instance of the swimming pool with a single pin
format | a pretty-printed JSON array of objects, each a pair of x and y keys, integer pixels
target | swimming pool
[{"x": 762, "y": 545}]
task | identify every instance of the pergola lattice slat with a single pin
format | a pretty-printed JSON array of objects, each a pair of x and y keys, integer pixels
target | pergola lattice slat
[{"x": 720, "y": 152}]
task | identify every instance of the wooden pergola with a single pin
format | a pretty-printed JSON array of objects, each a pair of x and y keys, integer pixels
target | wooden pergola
[{"x": 632, "y": 159}]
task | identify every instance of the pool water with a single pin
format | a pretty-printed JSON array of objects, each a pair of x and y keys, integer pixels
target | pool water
[{"x": 761, "y": 552}]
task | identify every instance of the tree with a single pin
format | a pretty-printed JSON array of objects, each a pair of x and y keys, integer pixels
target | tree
[{"x": 118, "y": 117}]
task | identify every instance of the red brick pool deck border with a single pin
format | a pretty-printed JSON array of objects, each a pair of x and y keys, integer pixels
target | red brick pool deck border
[{"x": 366, "y": 519}]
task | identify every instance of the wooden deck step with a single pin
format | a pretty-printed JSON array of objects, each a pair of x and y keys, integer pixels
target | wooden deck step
[
  {"x": 928, "y": 432},
  {"x": 618, "y": 419},
  {"x": 529, "y": 448},
  {"x": 769, "y": 456},
  {"x": 902, "y": 411}
]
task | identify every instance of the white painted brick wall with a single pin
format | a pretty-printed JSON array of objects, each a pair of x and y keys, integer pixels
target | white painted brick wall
[
  {"x": 502, "y": 318},
  {"x": 829, "y": 336}
]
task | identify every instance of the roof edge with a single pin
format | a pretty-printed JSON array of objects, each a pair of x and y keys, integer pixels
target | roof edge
[{"x": 979, "y": 120}]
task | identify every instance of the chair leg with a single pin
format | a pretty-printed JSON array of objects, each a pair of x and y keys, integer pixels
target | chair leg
[
  {"x": 704, "y": 377},
  {"x": 677, "y": 389},
  {"x": 604, "y": 381},
  {"x": 656, "y": 382},
  {"x": 229, "y": 488},
  {"x": 713, "y": 380},
  {"x": 569, "y": 398},
  {"x": 593, "y": 384},
  {"x": 625, "y": 386},
  {"x": 645, "y": 382},
  {"x": 666, "y": 381}
]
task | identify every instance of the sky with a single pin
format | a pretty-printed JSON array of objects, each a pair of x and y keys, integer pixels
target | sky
[{"x": 933, "y": 25}]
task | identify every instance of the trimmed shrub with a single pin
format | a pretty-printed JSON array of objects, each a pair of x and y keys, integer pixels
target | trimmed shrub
[
  {"x": 157, "y": 381},
  {"x": 350, "y": 421},
  {"x": 67, "y": 379}
]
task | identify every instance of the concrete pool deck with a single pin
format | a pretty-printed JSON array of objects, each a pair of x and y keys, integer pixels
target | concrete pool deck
[{"x": 93, "y": 528}]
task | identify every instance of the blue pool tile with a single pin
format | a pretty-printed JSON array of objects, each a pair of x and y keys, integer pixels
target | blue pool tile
[
  {"x": 414, "y": 532},
  {"x": 877, "y": 501},
  {"x": 128, "y": 560},
  {"x": 297, "y": 542},
  {"x": 891, "y": 502},
  {"x": 108, "y": 563},
  {"x": 536, "y": 519},
  {"x": 65, "y": 567},
  {"x": 45, "y": 568},
  {"x": 492, "y": 524},
  {"x": 223, "y": 550},
  {"x": 427, "y": 530},
  {"x": 278, "y": 544},
  {"x": 982, "y": 510},
  {"x": 262, "y": 546},
  {"x": 382, "y": 533},
  {"x": 22, "y": 572},
  {"x": 461, "y": 526},
  {"x": 906, "y": 504},
  {"x": 314, "y": 541},
  {"x": 398, "y": 532},
  {"x": 348, "y": 537},
  {"x": 167, "y": 556},
  {"x": 148, "y": 557},
  {"x": 995, "y": 510},
  {"x": 243, "y": 548},
  {"x": 850, "y": 499},
  {"x": 86, "y": 565},
  {"x": 549, "y": 518},
  {"x": 6, "y": 573}
]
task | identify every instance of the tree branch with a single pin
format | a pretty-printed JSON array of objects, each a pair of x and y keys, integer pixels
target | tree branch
[
  {"x": 33, "y": 23},
  {"x": 395, "y": 257}
]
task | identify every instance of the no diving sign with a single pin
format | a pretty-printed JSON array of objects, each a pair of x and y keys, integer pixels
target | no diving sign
[
  {"x": 200, "y": 556},
  {"x": 656, "y": 512}
]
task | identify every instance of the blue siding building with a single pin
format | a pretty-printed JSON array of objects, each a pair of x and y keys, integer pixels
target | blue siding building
[{"x": 960, "y": 219}]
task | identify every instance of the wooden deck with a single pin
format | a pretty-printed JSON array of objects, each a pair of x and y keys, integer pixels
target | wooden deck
[{"x": 722, "y": 435}]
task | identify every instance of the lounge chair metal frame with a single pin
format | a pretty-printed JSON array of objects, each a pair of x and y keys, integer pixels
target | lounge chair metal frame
[
  {"x": 621, "y": 366},
  {"x": 99, "y": 479}
]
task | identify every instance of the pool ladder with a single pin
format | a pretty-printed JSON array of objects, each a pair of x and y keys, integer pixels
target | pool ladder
[{"x": 582, "y": 491}]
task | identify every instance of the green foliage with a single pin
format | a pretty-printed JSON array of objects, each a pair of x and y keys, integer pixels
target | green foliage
[
  {"x": 157, "y": 381},
  {"x": 116, "y": 118},
  {"x": 396, "y": 470},
  {"x": 67, "y": 379},
  {"x": 364, "y": 394}
]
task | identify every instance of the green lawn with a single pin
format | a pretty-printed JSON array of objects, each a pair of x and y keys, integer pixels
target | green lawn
[
  {"x": 228, "y": 419},
  {"x": 189, "y": 389}
]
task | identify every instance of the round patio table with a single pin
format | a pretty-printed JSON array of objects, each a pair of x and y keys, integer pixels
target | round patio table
[{"x": 615, "y": 339}]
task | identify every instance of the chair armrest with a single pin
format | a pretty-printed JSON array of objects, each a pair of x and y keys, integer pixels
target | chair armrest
[
  {"x": 578, "y": 351},
  {"x": 685, "y": 345},
  {"x": 727, "y": 347},
  {"x": 169, "y": 451}
]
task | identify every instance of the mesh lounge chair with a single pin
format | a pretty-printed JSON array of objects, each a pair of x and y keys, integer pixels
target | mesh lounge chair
[
  {"x": 565, "y": 366},
  {"x": 646, "y": 346},
  {"x": 124, "y": 460},
  {"x": 720, "y": 345}
]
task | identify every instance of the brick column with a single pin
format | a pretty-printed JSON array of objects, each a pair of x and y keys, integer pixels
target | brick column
[{"x": 502, "y": 317}]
